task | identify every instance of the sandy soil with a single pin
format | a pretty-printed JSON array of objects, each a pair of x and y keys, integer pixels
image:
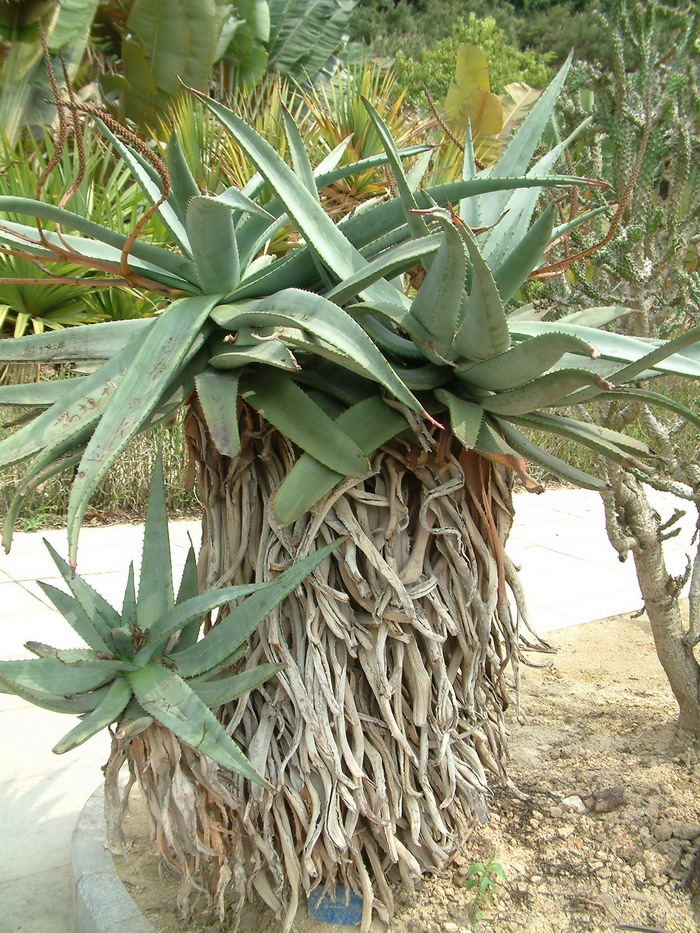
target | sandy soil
[{"x": 608, "y": 832}]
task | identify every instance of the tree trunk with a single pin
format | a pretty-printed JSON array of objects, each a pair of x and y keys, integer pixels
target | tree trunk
[
  {"x": 634, "y": 525},
  {"x": 378, "y": 734}
]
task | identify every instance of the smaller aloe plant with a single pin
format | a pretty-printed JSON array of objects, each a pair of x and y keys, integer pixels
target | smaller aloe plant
[{"x": 147, "y": 662}]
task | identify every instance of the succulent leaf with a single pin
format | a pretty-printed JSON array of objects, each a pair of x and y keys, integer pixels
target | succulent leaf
[
  {"x": 106, "y": 712},
  {"x": 217, "y": 393},
  {"x": 167, "y": 698}
]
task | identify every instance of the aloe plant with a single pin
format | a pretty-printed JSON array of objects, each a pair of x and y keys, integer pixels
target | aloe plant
[
  {"x": 328, "y": 396},
  {"x": 147, "y": 663}
]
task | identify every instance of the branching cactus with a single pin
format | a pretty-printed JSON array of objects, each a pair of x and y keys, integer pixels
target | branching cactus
[{"x": 327, "y": 397}]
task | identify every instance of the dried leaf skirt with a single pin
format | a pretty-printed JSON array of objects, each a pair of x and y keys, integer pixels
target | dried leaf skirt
[{"x": 400, "y": 654}]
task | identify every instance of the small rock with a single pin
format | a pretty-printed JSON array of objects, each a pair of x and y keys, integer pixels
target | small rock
[
  {"x": 683, "y": 830},
  {"x": 450, "y": 927},
  {"x": 521, "y": 887},
  {"x": 574, "y": 802},
  {"x": 536, "y": 879},
  {"x": 565, "y": 831},
  {"x": 608, "y": 902},
  {"x": 604, "y": 873},
  {"x": 639, "y": 872},
  {"x": 595, "y": 866},
  {"x": 609, "y": 798},
  {"x": 556, "y": 812}
]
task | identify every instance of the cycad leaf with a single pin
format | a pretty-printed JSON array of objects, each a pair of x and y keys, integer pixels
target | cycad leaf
[
  {"x": 230, "y": 632},
  {"x": 167, "y": 698},
  {"x": 215, "y": 692},
  {"x": 108, "y": 710},
  {"x": 139, "y": 393},
  {"x": 156, "y": 582},
  {"x": 370, "y": 423},
  {"x": 286, "y": 406},
  {"x": 218, "y": 394}
]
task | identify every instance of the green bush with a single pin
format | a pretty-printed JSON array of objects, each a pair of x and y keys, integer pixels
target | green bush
[{"x": 435, "y": 67}]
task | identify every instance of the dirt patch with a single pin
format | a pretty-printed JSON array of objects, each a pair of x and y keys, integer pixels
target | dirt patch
[{"x": 607, "y": 833}]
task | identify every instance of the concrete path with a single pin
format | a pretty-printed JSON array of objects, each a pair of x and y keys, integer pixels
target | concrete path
[{"x": 570, "y": 572}]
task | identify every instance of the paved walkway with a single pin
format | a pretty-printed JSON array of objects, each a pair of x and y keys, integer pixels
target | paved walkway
[{"x": 570, "y": 572}]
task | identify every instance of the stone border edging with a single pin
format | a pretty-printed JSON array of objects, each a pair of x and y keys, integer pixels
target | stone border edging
[{"x": 101, "y": 902}]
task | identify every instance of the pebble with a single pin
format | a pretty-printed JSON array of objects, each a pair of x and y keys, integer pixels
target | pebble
[
  {"x": 574, "y": 802},
  {"x": 565, "y": 831},
  {"x": 450, "y": 927},
  {"x": 608, "y": 799}
]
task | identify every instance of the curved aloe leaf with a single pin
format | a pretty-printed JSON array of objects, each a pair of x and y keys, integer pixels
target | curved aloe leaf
[
  {"x": 213, "y": 244},
  {"x": 465, "y": 418},
  {"x": 37, "y": 394},
  {"x": 218, "y": 393},
  {"x": 167, "y": 698},
  {"x": 73, "y": 344},
  {"x": 513, "y": 271},
  {"x": 77, "y": 705},
  {"x": 181, "y": 178},
  {"x": 108, "y": 710},
  {"x": 235, "y": 628},
  {"x": 523, "y": 362},
  {"x": 386, "y": 265},
  {"x": 370, "y": 423},
  {"x": 547, "y": 390},
  {"x": 439, "y": 299},
  {"x": 326, "y": 320},
  {"x": 484, "y": 331},
  {"x": 94, "y": 634},
  {"x": 215, "y": 692},
  {"x": 523, "y": 445},
  {"x": 156, "y": 362},
  {"x": 155, "y": 597},
  {"x": 286, "y": 406},
  {"x": 49, "y": 675},
  {"x": 271, "y": 352}
]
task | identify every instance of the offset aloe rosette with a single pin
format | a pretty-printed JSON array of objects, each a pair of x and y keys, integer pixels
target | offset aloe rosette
[
  {"x": 148, "y": 662},
  {"x": 327, "y": 397}
]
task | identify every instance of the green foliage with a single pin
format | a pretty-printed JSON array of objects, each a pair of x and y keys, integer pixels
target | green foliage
[
  {"x": 435, "y": 66},
  {"x": 24, "y": 84},
  {"x": 482, "y": 878},
  {"x": 316, "y": 340},
  {"x": 147, "y": 663}
]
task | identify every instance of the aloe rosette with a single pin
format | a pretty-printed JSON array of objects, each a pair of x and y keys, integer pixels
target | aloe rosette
[
  {"x": 148, "y": 662},
  {"x": 319, "y": 374}
]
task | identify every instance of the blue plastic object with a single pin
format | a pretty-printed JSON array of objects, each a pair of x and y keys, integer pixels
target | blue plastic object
[{"x": 341, "y": 906}]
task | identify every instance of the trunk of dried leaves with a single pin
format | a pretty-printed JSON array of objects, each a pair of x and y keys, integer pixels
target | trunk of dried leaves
[{"x": 400, "y": 654}]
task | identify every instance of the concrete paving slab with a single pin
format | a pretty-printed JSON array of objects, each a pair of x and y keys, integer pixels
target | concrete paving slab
[{"x": 38, "y": 903}]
